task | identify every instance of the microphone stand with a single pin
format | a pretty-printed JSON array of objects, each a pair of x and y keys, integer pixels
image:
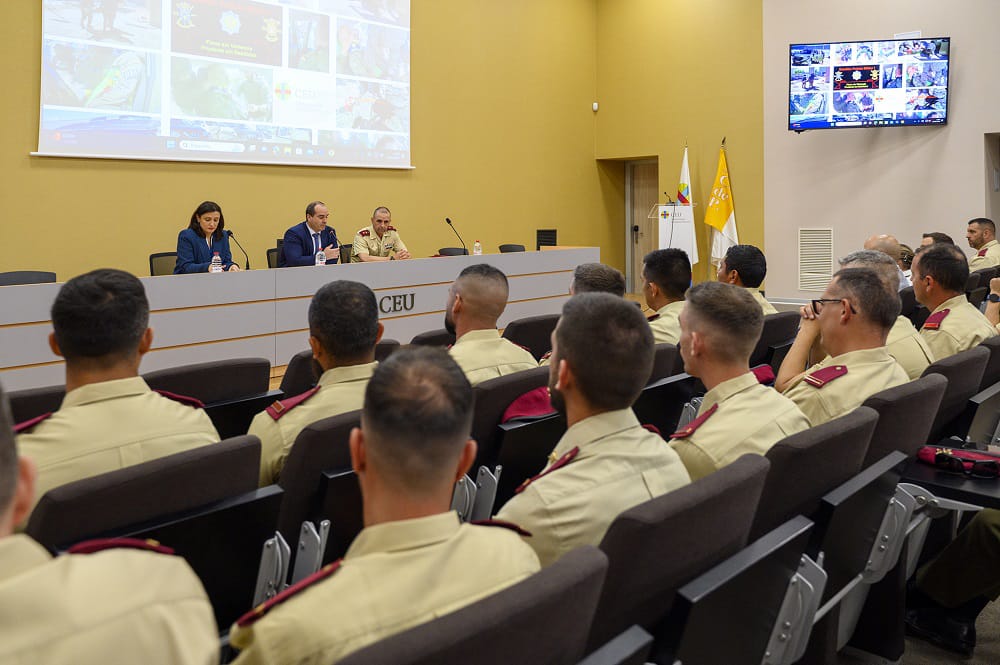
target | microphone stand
[
  {"x": 247, "y": 256},
  {"x": 464, "y": 246}
]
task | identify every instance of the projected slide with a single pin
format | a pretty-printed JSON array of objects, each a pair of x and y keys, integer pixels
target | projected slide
[
  {"x": 868, "y": 84},
  {"x": 314, "y": 82}
]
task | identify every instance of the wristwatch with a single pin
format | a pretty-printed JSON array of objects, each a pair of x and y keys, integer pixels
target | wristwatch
[{"x": 993, "y": 297}]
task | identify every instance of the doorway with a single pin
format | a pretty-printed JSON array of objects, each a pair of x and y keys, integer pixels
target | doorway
[{"x": 642, "y": 190}]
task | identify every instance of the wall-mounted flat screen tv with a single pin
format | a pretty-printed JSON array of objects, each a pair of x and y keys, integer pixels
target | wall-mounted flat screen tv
[{"x": 888, "y": 83}]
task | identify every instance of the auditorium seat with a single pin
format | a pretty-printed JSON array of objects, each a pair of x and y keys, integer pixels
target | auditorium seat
[
  {"x": 662, "y": 544},
  {"x": 533, "y": 333},
  {"x": 162, "y": 263},
  {"x": 964, "y": 372},
  {"x": 33, "y": 402},
  {"x": 778, "y": 329},
  {"x": 272, "y": 258},
  {"x": 991, "y": 373},
  {"x": 666, "y": 362},
  {"x": 807, "y": 465},
  {"x": 661, "y": 402},
  {"x": 631, "y": 647},
  {"x": 541, "y": 619},
  {"x": 215, "y": 381},
  {"x": 453, "y": 251},
  {"x": 523, "y": 451},
  {"x": 439, "y": 337},
  {"x": 905, "y": 416},
  {"x": 908, "y": 302},
  {"x": 300, "y": 373},
  {"x": 16, "y": 277},
  {"x": 492, "y": 398},
  {"x": 506, "y": 249}
]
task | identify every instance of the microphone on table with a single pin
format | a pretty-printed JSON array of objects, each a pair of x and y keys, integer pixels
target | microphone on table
[
  {"x": 230, "y": 234},
  {"x": 448, "y": 219}
]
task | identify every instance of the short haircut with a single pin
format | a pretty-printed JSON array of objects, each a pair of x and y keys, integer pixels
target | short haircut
[
  {"x": 866, "y": 291},
  {"x": 732, "y": 319},
  {"x": 343, "y": 316},
  {"x": 608, "y": 345},
  {"x": 484, "y": 288},
  {"x": 598, "y": 278},
  {"x": 985, "y": 223},
  {"x": 749, "y": 262},
  {"x": 8, "y": 454},
  {"x": 381, "y": 209},
  {"x": 203, "y": 208},
  {"x": 937, "y": 236},
  {"x": 417, "y": 416},
  {"x": 875, "y": 260},
  {"x": 946, "y": 264},
  {"x": 100, "y": 315},
  {"x": 669, "y": 269},
  {"x": 311, "y": 208}
]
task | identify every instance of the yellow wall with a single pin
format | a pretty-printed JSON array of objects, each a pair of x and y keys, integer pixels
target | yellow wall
[
  {"x": 670, "y": 72},
  {"x": 503, "y": 143}
]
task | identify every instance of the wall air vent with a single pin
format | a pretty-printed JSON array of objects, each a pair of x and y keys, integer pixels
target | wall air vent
[{"x": 815, "y": 259}]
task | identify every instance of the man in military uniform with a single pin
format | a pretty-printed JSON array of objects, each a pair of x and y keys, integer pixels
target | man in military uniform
[
  {"x": 379, "y": 241},
  {"x": 606, "y": 462},
  {"x": 982, "y": 236},
  {"x": 666, "y": 275},
  {"x": 475, "y": 301},
  {"x": 904, "y": 343},
  {"x": 109, "y": 418},
  {"x": 852, "y": 320},
  {"x": 110, "y": 603},
  {"x": 597, "y": 278},
  {"x": 414, "y": 560},
  {"x": 745, "y": 266},
  {"x": 343, "y": 331},
  {"x": 720, "y": 324},
  {"x": 939, "y": 276}
]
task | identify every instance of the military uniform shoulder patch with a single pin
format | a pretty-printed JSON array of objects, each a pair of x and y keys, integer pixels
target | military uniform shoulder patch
[
  {"x": 503, "y": 524},
  {"x": 183, "y": 399},
  {"x": 558, "y": 464},
  {"x": 763, "y": 373},
  {"x": 256, "y": 613},
  {"x": 652, "y": 318},
  {"x": 933, "y": 321},
  {"x": 282, "y": 406},
  {"x": 693, "y": 426},
  {"x": 364, "y": 233},
  {"x": 546, "y": 356},
  {"x": 981, "y": 252},
  {"x": 101, "y": 544},
  {"x": 28, "y": 424},
  {"x": 390, "y": 228},
  {"x": 825, "y": 375}
]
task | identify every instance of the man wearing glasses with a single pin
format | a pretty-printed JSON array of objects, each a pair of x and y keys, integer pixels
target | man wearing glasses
[{"x": 852, "y": 321}]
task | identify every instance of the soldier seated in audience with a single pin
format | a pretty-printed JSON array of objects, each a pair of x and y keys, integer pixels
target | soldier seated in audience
[
  {"x": 597, "y": 278},
  {"x": 666, "y": 275},
  {"x": 940, "y": 272},
  {"x": 107, "y": 601},
  {"x": 475, "y": 302},
  {"x": 889, "y": 245},
  {"x": 343, "y": 331},
  {"x": 720, "y": 324},
  {"x": 414, "y": 560},
  {"x": 935, "y": 236},
  {"x": 606, "y": 462},
  {"x": 746, "y": 266},
  {"x": 904, "y": 343},
  {"x": 982, "y": 236},
  {"x": 109, "y": 418},
  {"x": 852, "y": 321}
]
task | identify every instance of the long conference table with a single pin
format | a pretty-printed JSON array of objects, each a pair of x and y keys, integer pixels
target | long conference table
[{"x": 263, "y": 313}]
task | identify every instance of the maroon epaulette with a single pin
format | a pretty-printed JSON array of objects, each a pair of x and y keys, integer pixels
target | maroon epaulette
[
  {"x": 981, "y": 252},
  {"x": 390, "y": 228},
  {"x": 653, "y": 317},
  {"x": 558, "y": 464},
  {"x": 825, "y": 375},
  {"x": 28, "y": 424},
  {"x": 652, "y": 428},
  {"x": 545, "y": 356},
  {"x": 504, "y": 525},
  {"x": 933, "y": 321},
  {"x": 694, "y": 424},
  {"x": 282, "y": 406},
  {"x": 251, "y": 617},
  {"x": 763, "y": 373},
  {"x": 101, "y": 544},
  {"x": 364, "y": 233},
  {"x": 531, "y": 404},
  {"x": 521, "y": 346},
  {"x": 183, "y": 399}
]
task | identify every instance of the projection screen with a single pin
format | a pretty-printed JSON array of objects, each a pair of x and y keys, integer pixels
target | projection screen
[{"x": 305, "y": 82}]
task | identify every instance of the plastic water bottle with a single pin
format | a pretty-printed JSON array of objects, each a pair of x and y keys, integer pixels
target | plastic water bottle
[
  {"x": 321, "y": 258},
  {"x": 216, "y": 264},
  {"x": 477, "y": 248}
]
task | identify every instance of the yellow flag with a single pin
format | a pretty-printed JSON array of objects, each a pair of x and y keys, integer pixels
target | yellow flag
[{"x": 720, "y": 203}]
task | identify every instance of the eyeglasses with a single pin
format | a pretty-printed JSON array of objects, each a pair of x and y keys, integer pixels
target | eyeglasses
[
  {"x": 817, "y": 304},
  {"x": 971, "y": 468}
]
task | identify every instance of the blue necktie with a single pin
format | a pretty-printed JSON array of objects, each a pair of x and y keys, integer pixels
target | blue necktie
[{"x": 316, "y": 241}]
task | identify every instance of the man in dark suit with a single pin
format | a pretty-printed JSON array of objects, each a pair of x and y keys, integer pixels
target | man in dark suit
[{"x": 304, "y": 240}]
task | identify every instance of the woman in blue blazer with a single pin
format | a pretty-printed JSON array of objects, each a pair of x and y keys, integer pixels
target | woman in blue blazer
[{"x": 203, "y": 237}]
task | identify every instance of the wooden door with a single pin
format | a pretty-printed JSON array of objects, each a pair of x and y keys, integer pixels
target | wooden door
[{"x": 642, "y": 193}]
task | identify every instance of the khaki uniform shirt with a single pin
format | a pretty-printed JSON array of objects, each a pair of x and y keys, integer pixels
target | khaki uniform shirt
[
  {"x": 987, "y": 256},
  {"x": 111, "y": 425},
  {"x": 747, "y": 418},
  {"x": 908, "y": 348},
  {"x": 619, "y": 465},
  {"x": 341, "y": 389},
  {"x": 484, "y": 355},
  {"x": 395, "y": 576},
  {"x": 666, "y": 323},
  {"x": 366, "y": 241},
  {"x": 765, "y": 306},
  {"x": 962, "y": 328},
  {"x": 868, "y": 371},
  {"x": 114, "y": 606}
]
